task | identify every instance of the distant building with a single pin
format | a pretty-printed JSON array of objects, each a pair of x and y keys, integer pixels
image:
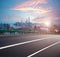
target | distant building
[
  {"x": 23, "y": 25},
  {"x": 4, "y": 26}
]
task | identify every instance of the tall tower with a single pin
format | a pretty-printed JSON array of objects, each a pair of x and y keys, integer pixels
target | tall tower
[{"x": 28, "y": 20}]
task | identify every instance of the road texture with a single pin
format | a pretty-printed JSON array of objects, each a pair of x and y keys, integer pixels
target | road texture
[{"x": 30, "y": 46}]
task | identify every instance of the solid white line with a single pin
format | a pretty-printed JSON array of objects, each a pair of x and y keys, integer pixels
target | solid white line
[
  {"x": 43, "y": 49},
  {"x": 22, "y": 43}
]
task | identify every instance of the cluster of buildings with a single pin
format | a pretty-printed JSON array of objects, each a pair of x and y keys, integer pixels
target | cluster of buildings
[
  {"x": 28, "y": 26},
  {"x": 4, "y": 26}
]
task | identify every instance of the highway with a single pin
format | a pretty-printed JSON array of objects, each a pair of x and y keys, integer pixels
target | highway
[{"x": 30, "y": 45}]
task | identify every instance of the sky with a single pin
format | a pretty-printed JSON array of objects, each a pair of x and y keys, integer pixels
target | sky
[{"x": 38, "y": 11}]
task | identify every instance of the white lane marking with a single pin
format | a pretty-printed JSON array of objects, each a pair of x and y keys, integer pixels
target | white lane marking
[
  {"x": 43, "y": 49},
  {"x": 22, "y": 43}
]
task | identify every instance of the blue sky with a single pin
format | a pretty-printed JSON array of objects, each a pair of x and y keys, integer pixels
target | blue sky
[{"x": 38, "y": 10}]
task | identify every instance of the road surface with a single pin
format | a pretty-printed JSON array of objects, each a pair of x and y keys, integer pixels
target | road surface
[{"x": 30, "y": 46}]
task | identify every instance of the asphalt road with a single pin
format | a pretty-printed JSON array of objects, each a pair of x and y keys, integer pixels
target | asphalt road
[{"x": 30, "y": 46}]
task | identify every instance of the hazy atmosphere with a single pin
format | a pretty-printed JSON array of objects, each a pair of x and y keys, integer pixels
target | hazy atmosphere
[{"x": 29, "y": 28}]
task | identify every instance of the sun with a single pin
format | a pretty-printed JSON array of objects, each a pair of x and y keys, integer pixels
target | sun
[{"x": 47, "y": 23}]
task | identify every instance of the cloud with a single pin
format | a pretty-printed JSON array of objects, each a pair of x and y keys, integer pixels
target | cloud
[
  {"x": 33, "y": 6},
  {"x": 53, "y": 16},
  {"x": 38, "y": 12},
  {"x": 29, "y": 5}
]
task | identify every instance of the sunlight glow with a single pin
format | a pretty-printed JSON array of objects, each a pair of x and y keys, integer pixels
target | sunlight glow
[{"x": 47, "y": 23}]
